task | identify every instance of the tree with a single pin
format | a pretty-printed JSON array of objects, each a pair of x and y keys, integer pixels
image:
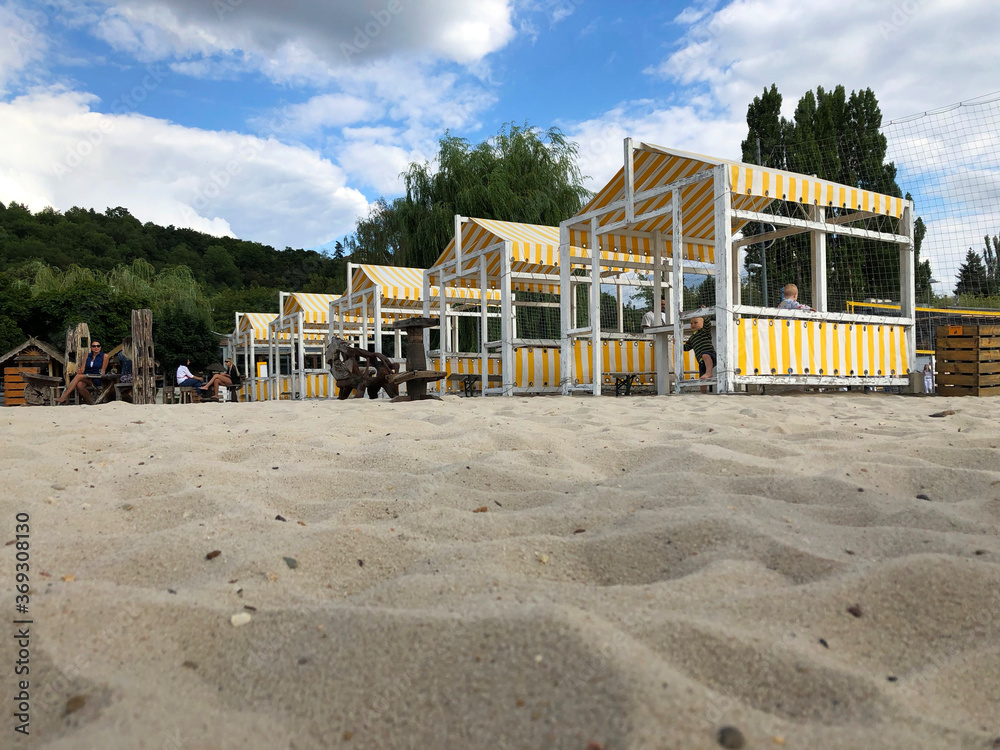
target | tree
[
  {"x": 522, "y": 174},
  {"x": 991, "y": 254},
  {"x": 838, "y": 138},
  {"x": 179, "y": 334},
  {"x": 972, "y": 277}
]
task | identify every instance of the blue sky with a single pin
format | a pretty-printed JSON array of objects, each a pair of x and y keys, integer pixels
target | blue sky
[{"x": 282, "y": 120}]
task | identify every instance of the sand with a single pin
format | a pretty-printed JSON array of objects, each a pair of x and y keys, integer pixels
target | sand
[{"x": 641, "y": 573}]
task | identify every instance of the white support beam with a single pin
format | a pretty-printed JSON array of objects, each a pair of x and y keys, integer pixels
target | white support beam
[
  {"x": 506, "y": 325},
  {"x": 566, "y": 312},
  {"x": 300, "y": 339},
  {"x": 459, "y": 220},
  {"x": 629, "y": 182},
  {"x": 907, "y": 283},
  {"x": 657, "y": 248},
  {"x": 597, "y": 365},
  {"x": 867, "y": 234},
  {"x": 678, "y": 292},
  {"x": 725, "y": 330},
  {"x": 817, "y": 248},
  {"x": 484, "y": 333}
]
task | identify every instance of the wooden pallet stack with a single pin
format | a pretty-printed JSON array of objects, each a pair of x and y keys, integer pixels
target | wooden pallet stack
[{"x": 968, "y": 360}]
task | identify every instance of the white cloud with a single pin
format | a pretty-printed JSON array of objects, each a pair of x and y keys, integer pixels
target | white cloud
[
  {"x": 906, "y": 52},
  {"x": 217, "y": 182},
  {"x": 24, "y": 41},
  {"x": 689, "y": 128},
  {"x": 312, "y": 40}
]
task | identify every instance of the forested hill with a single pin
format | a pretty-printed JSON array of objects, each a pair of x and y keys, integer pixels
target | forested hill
[
  {"x": 102, "y": 241},
  {"x": 60, "y": 269}
]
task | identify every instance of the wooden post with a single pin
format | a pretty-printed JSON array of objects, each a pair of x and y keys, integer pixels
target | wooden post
[{"x": 143, "y": 373}]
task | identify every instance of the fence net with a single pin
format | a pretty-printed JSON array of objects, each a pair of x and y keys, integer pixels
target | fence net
[{"x": 948, "y": 161}]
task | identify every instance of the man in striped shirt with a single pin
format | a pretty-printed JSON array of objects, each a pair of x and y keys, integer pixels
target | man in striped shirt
[{"x": 704, "y": 350}]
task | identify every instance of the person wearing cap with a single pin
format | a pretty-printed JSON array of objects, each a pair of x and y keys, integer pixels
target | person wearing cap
[{"x": 93, "y": 369}]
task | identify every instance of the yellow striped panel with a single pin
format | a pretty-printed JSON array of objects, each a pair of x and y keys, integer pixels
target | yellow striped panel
[{"x": 767, "y": 346}]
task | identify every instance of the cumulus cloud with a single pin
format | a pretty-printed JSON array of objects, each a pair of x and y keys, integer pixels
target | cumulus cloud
[
  {"x": 216, "y": 182},
  {"x": 307, "y": 39},
  {"x": 25, "y": 42}
]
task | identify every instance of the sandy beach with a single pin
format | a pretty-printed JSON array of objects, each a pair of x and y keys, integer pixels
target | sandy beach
[{"x": 679, "y": 572}]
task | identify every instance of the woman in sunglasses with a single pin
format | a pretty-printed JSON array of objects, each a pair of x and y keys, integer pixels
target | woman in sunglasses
[{"x": 93, "y": 369}]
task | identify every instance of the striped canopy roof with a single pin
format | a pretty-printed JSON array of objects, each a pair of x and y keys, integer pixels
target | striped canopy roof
[
  {"x": 753, "y": 189},
  {"x": 401, "y": 289},
  {"x": 315, "y": 307},
  {"x": 255, "y": 323},
  {"x": 534, "y": 250}
]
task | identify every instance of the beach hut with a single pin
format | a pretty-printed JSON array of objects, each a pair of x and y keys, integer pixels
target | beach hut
[
  {"x": 249, "y": 347},
  {"x": 31, "y": 357},
  {"x": 669, "y": 208},
  {"x": 379, "y": 296},
  {"x": 302, "y": 327},
  {"x": 516, "y": 337}
]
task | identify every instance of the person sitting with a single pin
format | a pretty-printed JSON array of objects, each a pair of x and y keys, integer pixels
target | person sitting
[
  {"x": 790, "y": 299},
  {"x": 185, "y": 378},
  {"x": 649, "y": 320},
  {"x": 124, "y": 363},
  {"x": 82, "y": 382},
  {"x": 225, "y": 379}
]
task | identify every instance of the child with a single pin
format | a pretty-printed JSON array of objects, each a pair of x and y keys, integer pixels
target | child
[
  {"x": 791, "y": 299},
  {"x": 704, "y": 351},
  {"x": 928, "y": 378}
]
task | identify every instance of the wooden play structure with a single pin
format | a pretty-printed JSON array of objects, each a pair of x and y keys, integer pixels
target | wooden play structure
[
  {"x": 359, "y": 372},
  {"x": 670, "y": 211}
]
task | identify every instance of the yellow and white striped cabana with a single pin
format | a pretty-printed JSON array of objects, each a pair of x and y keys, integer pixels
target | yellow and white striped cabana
[
  {"x": 518, "y": 262},
  {"x": 303, "y": 323},
  {"x": 378, "y": 296},
  {"x": 249, "y": 344},
  {"x": 672, "y": 209}
]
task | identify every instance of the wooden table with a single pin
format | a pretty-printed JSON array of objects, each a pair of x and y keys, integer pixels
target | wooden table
[{"x": 416, "y": 376}]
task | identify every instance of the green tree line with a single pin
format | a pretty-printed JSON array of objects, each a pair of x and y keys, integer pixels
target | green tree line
[{"x": 59, "y": 269}]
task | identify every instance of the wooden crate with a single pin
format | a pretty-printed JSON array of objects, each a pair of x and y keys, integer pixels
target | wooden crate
[
  {"x": 968, "y": 360},
  {"x": 13, "y": 384}
]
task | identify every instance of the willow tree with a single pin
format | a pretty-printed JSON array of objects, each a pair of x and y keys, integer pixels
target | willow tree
[{"x": 522, "y": 174}]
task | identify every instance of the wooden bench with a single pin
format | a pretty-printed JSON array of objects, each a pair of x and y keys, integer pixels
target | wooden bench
[
  {"x": 470, "y": 379},
  {"x": 188, "y": 394},
  {"x": 625, "y": 380},
  {"x": 123, "y": 392}
]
